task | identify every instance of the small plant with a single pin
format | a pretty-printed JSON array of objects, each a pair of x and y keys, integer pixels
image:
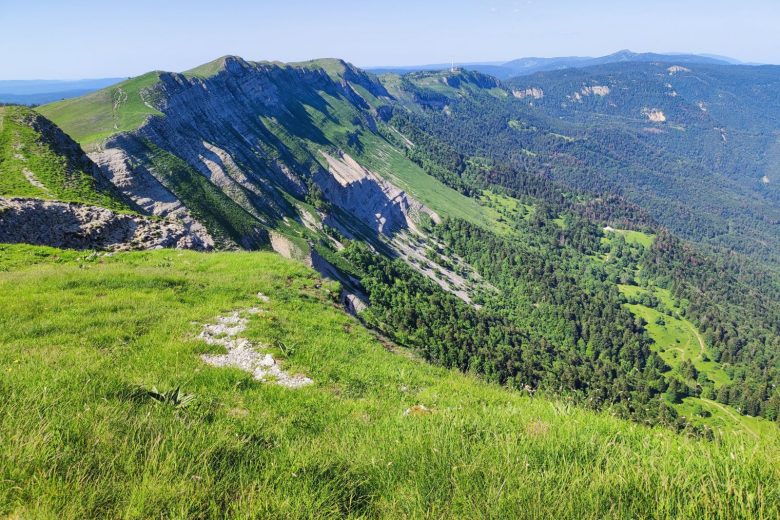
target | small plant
[
  {"x": 287, "y": 350},
  {"x": 175, "y": 397}
]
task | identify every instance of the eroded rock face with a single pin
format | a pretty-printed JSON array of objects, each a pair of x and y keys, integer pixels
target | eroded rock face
[
  {"x": 137, "y": 183},
  {"x": 77, "y": 226},
  {"x": 377, "y": 203},
  {"x": 247, "y": 129}
]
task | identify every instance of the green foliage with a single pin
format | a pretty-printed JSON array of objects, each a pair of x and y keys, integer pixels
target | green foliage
[
  {"x": 75, "y": 446},
  {"x": 175, "y": 398}
]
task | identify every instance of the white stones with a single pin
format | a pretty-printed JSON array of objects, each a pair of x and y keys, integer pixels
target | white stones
[
  {"x": 241, "y": 353},
  {"x": 81, "y": 226}
]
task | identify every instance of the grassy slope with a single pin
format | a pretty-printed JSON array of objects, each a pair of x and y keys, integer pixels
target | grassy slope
[
  {"x": 334, "y": 125},
  {"x": 207, "y": 70},
  {"x": 676, "y": 339},
  {"x": 96, "y": 116},
  {"x": 23, "y": 153},
  {"x": 388, "y": 161},
  {"x": 76, "y": 445}
]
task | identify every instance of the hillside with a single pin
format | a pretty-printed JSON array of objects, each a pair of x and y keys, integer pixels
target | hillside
[
  {"x": 51, "y": 193},
  {"x": 693, "y": 145},
  {"x": 450, "y": 204},
  {"x": 482, "y": 226},
  {"x": 93, "y": 429}
]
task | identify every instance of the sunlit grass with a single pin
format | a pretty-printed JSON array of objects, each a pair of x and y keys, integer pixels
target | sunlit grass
[{"x": 80, "y": 333}]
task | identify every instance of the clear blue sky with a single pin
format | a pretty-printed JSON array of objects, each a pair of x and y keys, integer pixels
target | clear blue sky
[{"x": 68, "y": 39}]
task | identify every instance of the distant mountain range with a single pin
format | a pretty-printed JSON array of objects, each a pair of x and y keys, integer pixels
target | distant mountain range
[
  {"x": 526, "y": 66},
  {"x": 38, "y": 92}
]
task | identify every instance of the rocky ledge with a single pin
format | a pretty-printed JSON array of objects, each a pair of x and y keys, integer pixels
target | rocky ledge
[{"x": 78, "y": 226}]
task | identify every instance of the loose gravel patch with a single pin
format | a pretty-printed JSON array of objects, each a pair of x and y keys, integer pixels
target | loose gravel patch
[{"x": 241, "y": 353}]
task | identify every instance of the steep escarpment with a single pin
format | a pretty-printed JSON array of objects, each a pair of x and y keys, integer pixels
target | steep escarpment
[
  {"x": 52, "y": 194},
  {"x": 249, "y": 129},
  {"x": 264, "y": 155}
]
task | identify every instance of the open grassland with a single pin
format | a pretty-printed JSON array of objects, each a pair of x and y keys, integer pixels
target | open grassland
[
  {"x": 81, "y": 333},
  {"x": 96, "y": 116}
]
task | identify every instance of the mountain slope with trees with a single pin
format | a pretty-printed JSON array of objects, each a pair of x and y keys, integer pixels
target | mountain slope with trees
[{"x": 477, "y": 222}]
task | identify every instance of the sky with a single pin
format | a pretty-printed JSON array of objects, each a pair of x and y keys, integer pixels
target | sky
[{"x": 73, "y": 39}]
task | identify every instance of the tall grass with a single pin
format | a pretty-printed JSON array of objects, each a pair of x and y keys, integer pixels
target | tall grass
[{"x": 80, "y": 334}]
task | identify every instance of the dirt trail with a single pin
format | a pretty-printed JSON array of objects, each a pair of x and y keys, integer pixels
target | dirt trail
[
  {"x": 702, "y": 346},
  {"x": 733, "y": 416}
]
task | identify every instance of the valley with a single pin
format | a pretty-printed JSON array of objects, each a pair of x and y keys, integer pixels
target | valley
[{"x": 305, "y": 290}]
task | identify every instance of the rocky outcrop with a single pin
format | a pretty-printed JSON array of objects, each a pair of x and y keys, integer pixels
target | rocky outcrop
[
  {"x": 246, "y": 128},
  {"x": 137, "y": 183},
  {"x": 77, "y": 226},
  {"x": 532, "y": 92}
]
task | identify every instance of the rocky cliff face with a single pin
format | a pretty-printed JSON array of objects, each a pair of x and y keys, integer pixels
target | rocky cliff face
[
  {"x": 269, "y": 155},
  {"x": 364, "y": 194},
  {"x": 78, "y": 226},
  {"x": 255, "y": 131}
]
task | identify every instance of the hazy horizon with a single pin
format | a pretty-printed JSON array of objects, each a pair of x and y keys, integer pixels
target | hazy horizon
[{"x": 85, "y": 40}]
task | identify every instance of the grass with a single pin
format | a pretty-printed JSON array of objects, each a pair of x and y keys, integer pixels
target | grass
[
  {"x": 30, "y": 166},
  {"x": 676, "y": 339},
  {"x": 80, "y": 333},
  {"x": 389, "y": 162},
  {"x": 632, "y": 237},
  {"x": 334, "y": 67},
  {"x": 99, "y": 115},
  {"x": 724, "y": 420},
  {"x": 207, "y": 70},
  {"x": 326, "y": 121},
  {"x": 508, "y": 208}
]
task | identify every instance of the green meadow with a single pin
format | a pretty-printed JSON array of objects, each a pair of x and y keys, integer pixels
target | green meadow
[
  {"x": 85, "y": 338},
  {"x": 96, "y": 116}
]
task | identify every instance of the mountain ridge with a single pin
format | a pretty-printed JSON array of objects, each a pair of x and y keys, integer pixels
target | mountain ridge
[
  {"x": 530, "y": 65},
  {"x": 363, "y": 176}
]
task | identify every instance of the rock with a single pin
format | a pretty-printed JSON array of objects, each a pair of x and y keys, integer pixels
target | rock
[
  {"x": 78, "y": 226},
  {"x": 418, "y": 409}
]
